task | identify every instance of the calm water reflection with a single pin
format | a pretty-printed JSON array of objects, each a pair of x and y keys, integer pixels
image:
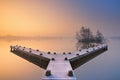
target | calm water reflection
[{"x": 104, "y": 67}]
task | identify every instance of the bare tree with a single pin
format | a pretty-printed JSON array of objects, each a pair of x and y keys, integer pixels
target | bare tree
[
  {"x": 85, "y": 36},
  {"x": 99, "y": 38}
]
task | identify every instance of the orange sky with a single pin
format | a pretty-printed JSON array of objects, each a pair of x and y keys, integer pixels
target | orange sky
[
  {"x": 53, "y": 18},
  {"x": 29, "y": 19}
]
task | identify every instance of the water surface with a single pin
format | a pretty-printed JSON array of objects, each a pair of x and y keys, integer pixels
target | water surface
[{"x": 104, "y": 67}]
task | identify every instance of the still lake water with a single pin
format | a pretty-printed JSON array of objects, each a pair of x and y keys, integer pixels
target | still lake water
[{"x": 104, "y": 67}]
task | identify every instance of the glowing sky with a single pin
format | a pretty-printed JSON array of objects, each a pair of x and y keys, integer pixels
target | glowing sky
[{"x": 58, "y": 17}]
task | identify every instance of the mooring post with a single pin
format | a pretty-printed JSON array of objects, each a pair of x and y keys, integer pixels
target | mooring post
[{"x": 10, "y": 48}]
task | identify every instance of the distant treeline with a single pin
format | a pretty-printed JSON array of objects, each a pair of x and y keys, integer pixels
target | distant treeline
[{"x": 86, "y": 36}]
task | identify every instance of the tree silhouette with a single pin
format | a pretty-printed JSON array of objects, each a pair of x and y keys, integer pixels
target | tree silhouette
[
  {"x": 99, "y": 38},
  {"x": 86, "y": 37}
]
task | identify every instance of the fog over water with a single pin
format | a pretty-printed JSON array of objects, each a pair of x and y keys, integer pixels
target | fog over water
[
  {"x": 104, "y": 67},
  {"x": 32, "y": 23}
]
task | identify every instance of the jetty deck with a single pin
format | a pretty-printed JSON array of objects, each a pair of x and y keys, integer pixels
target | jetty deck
[{"x": 58, "y": 66}]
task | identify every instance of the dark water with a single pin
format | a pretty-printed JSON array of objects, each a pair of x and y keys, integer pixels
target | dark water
[{"x": 104, "y": 67}]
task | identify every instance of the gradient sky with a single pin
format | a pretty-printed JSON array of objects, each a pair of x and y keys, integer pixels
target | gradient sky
[{"x": 58, "y": 17}]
